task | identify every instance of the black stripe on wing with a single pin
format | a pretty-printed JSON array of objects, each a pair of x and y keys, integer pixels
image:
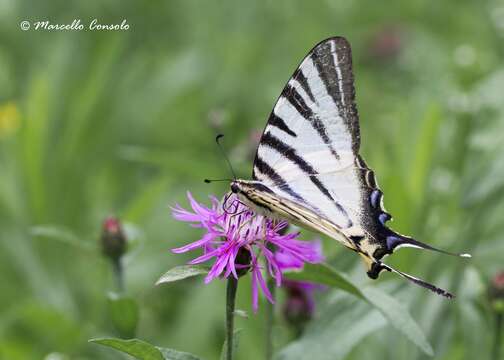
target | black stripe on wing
[
  {"x": 289, "y": 153},
  {"x": 269, "y": 172},
  {"x": 303, "y": 81},
  {"x": 296, "y": 100},
  {"x": 278, "y": 122},
  {"x": 333, "y": 60}
]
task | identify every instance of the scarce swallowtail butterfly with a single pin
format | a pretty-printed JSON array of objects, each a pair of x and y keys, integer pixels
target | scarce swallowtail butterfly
[{"x": 308, "y": 169}]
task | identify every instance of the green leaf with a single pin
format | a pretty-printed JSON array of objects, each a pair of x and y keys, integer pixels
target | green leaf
[
  {"x": 241, "y": 313},
  {"x": 124, "y": 314},
  {"x": 170, "y": 354},
  {"x": 424, "y": 151},
  {"x": 326, "y": 275},
  {"x": 236, "y": 340},
  {"x": 62, "y": 235},
  {"x": 182, "y": 272},
  {"x": 396, "y": 313},
  {"x": 399, "y": 317},
  {"x": 341, "y": 325},
  {"x": 137, "y": 348},
  {"x": 142, "y": 350}
]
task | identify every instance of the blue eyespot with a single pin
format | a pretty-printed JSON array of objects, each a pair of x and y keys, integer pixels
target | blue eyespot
[
  {"x": 392, "y": 242},
  {"x": 383, "y": 218},
  {"x": 375, "y": 198}
]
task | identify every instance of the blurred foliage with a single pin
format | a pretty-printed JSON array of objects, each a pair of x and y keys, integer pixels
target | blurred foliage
[{"x": 98, "y": 123}]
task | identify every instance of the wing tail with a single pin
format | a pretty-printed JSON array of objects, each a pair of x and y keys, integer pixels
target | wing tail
[
  {"x": 397, "y": 241},
  {"x": 419, "y": 282}
]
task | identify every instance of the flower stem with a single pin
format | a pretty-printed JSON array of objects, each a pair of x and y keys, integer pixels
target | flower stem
[
  {"x": 270, "y": 316},
  {"x": 232, "y": 286},
  {"x": 119, "y": 274},
  {"x": 497, "y": 336}
]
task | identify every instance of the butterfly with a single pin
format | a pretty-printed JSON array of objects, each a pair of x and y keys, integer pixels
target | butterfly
[{"x": 308, "y": 169}]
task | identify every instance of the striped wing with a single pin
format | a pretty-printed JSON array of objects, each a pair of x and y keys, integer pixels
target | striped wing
[
  {"x": 309, "y": 155},
  {"x": 309, "y": 147}
]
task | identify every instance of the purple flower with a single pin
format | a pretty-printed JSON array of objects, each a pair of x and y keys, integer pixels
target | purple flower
[
  {"x": 288, "y": 262},
  {"x": 239, "y": 241},
  {"x": 300, "y": 303}
]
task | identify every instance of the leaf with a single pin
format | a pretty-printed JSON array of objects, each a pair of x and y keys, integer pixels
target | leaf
[
  {"x": 398, "y": 316},
  {"x": 182, "y": 272},
  {"x": 137, "y": 348},
  {"x": 124, "y": 314},
  {"x": 62, "y": 235},
  {"x": 342, "y": 324},
  {"x": 424, "y": 151},
  {"x": 236, "y": 340},
  {"x": 326, "y": 275},
  {"x": 241, "y": 313},
  {"x": 142, "y": 350},
  {"x": 394, "y": 312},
  {"x": 170, "y": 354}
]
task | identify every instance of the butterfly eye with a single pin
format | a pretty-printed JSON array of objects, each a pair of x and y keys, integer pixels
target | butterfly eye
[{"x": 234, "y": 188}]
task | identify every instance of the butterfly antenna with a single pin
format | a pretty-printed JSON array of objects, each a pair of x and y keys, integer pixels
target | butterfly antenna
[
  {"x": 419, "y": 282},
  {"x": 217, "y": 140},
  {"x": 208, "y": 181}
]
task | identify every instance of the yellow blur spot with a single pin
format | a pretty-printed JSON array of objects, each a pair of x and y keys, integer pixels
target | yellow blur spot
[{"x": 9, "y": 119}]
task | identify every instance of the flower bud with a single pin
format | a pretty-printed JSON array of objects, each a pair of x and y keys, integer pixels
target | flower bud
[
  {"x": 299, "y": 306},
  {"x": 496, "y": 293},
  {"x": 242, "y": 261},
  {"x": 386, "y": 44},
  {"x": 113, "y": 240}
]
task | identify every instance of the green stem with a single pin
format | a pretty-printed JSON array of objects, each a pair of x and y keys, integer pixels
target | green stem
[
  {"x": 119, "y": 274},
  {"x": 270, "y": 317},
  {"x": 497, "y": 339},
  {"x": 232, "y": 286}
]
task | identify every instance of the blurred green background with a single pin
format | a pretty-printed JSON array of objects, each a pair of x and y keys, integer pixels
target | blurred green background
[{"x": 97, "y": 123}]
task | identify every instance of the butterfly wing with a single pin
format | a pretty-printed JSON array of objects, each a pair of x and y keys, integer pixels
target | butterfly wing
[
  {"x": 309, "y": 152},
  {"x": 313, "y": 130},
  {"x": 309, "y": 155}
]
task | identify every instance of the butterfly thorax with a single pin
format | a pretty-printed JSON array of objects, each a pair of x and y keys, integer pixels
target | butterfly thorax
[{"x": 260, "y": 198}]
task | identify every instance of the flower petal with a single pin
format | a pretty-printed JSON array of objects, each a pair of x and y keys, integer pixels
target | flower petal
[
  {"x": 194, "y": 245},
  {"x": 255, "y": 295},
  {"x": 199, "y": 208},
  {"x": 204, "y": 257},
  {"x": 263, "y": 285}
]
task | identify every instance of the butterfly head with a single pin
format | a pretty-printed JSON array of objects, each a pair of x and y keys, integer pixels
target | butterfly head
[
  {"x": 235, "y": 186},
  {"x": 255, "y": 195}
]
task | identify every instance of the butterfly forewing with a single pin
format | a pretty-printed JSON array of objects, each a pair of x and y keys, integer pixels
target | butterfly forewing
[{"x": 314, "y": 129}]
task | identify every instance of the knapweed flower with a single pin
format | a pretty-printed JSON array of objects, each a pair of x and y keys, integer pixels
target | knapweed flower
[
  {"x": 299, "y": 305},
  {"x": 241, "y": 241},
  {"x": 113, "y": 240},
  {"x": 496, "y": 293}
]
